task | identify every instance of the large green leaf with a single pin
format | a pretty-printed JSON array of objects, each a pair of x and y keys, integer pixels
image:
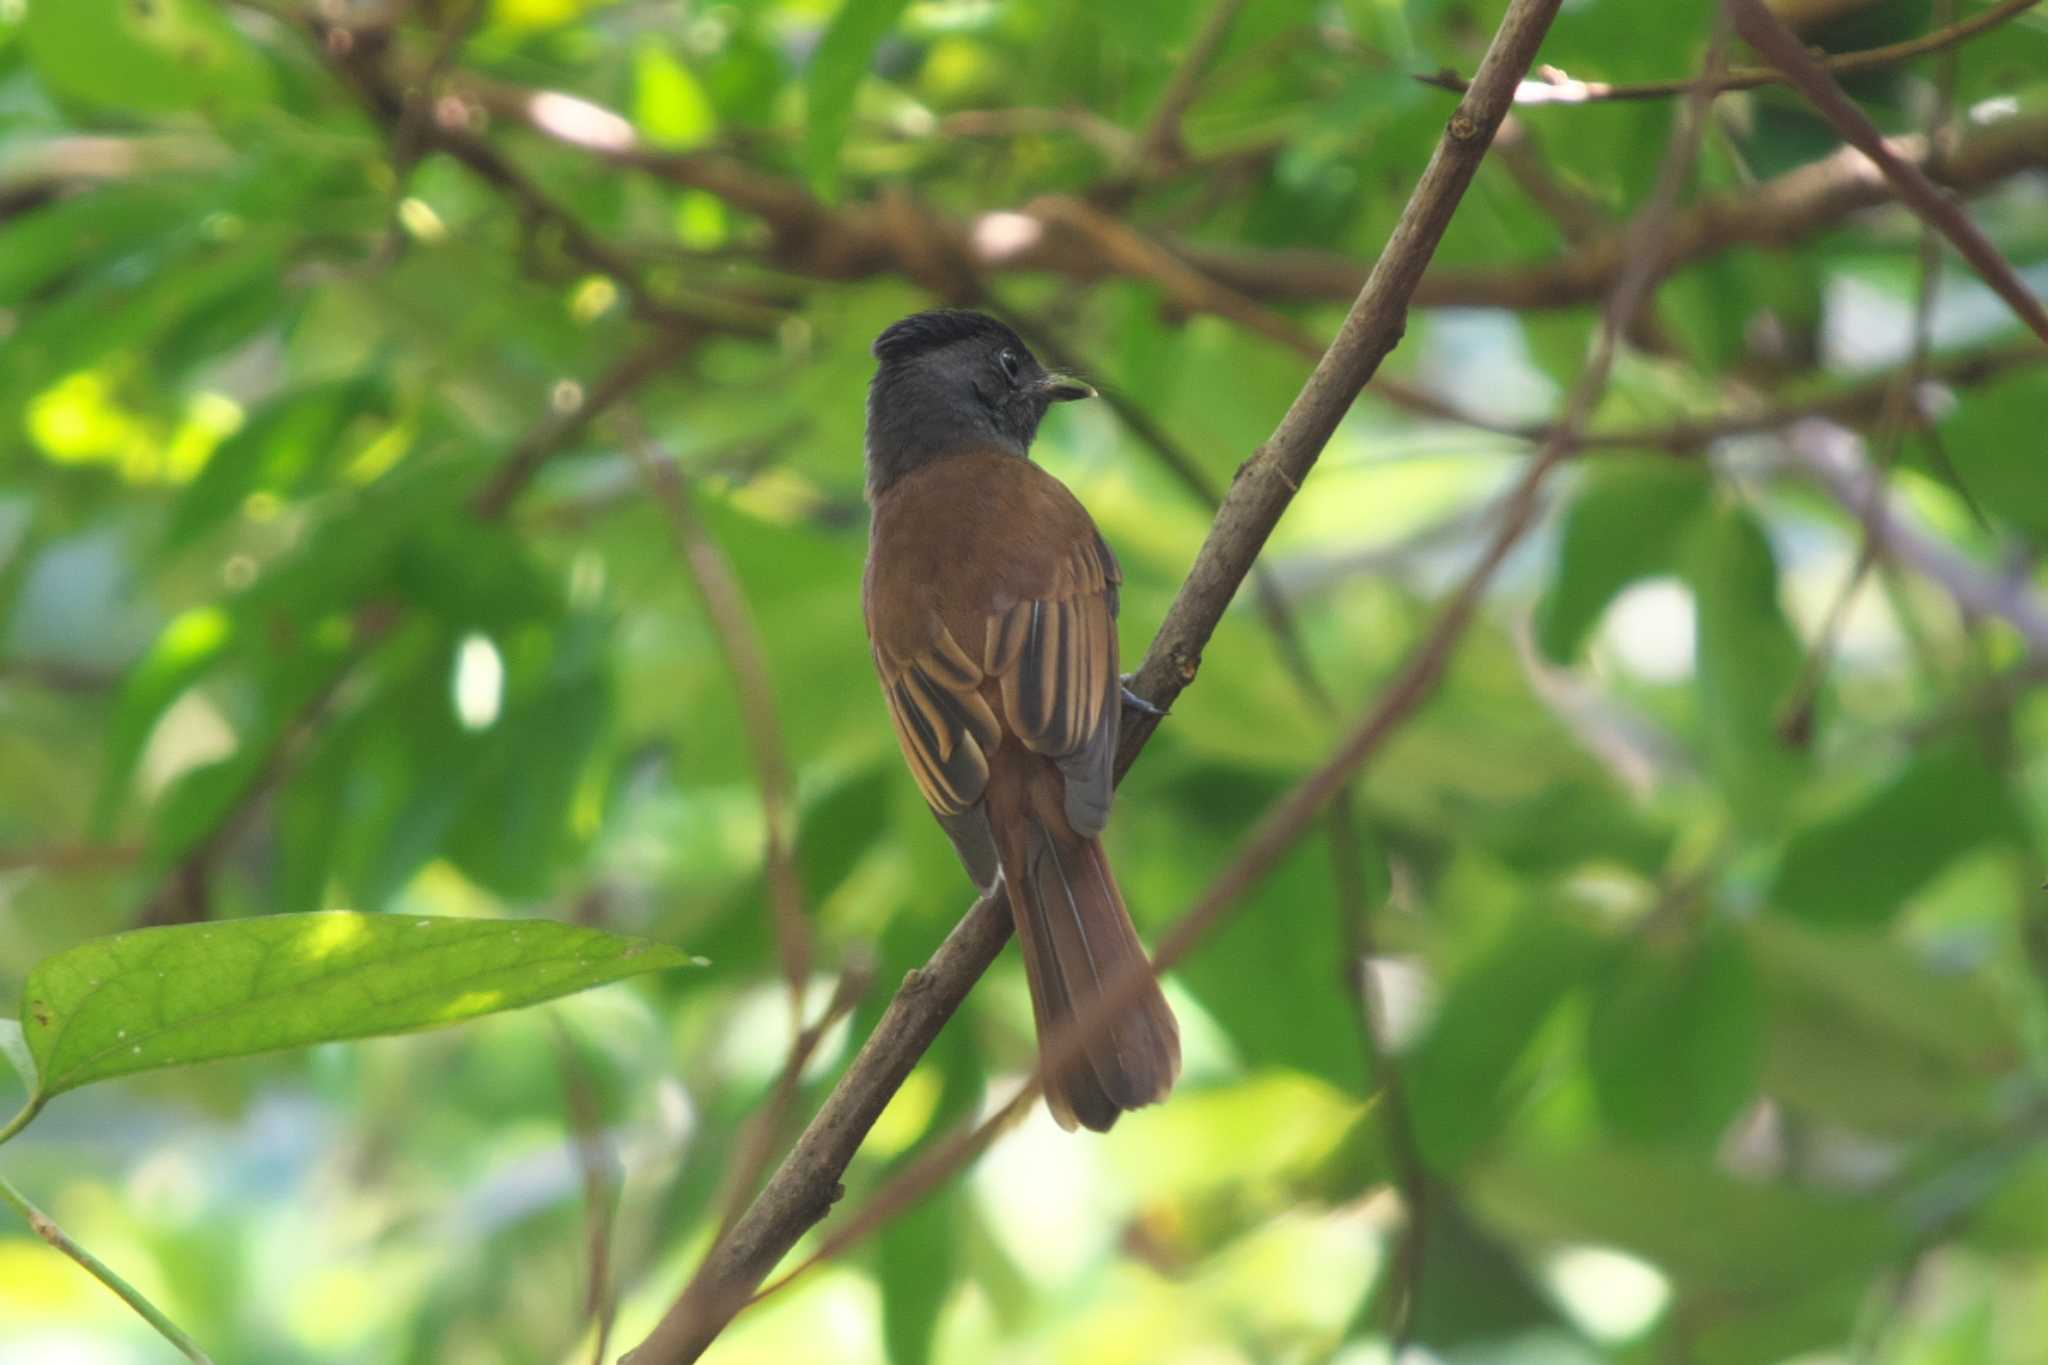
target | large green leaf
[
  {"x": 1747, "y": 661},
  {"x": 156, "y": 55},
  {"x": 1865, "y": 1033},
  {"x": 1461, "y": 1077},
  {"x": 185, "y": 649},
  {"x": 1860, "y": 866},
  {"x": 1626, "y": 521},
  {"x": 1674, "y": 1040},
  {"x": 189, "y": 993},
  {"x": 837, "y": 69},
  {"x": 1708, "y": 1228}
]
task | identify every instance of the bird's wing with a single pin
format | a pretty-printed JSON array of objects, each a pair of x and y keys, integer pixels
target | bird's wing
[{"x": 1055, "y": 657}]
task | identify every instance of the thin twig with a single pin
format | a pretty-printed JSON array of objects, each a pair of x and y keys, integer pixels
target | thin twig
[
  {"x": 739, "y": 640},
  {"x": 599, "y": 1164},
  {"x": 1554, "y": 87},
  {"x": 805, "y": 1186},
  {"x": 1767, "y": 34},
  {"x": 1771, "y": 214},
  {"x": 48, "y": 1230},
  {"x": 59, "y": 859},
  {"x": 1796, "y": 718},
  {"x": 1833, "y": 458},
  {"x": 858, "y": 240},
  {"x": 1161, "y": 140},
  {"x": 763, "y": 1132}
]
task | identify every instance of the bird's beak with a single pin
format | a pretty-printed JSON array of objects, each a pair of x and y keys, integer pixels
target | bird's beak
[{"x": 1061, "y": 388}]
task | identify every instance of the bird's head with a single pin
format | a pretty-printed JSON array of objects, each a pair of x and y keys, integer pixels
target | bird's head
[{"x": 952, "y": 382}]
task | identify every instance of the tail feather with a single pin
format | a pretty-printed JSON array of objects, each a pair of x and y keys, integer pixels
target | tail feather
[{"x": 1079, "y": 945}]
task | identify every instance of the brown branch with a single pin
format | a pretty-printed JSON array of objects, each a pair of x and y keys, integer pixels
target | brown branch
[
  {"x": 562, "y": 428},
  {"x": 1288, "y": 822},
  {"x": 1161, "y": 140},
  {"x": 1555, "y": 87},
  {"x": 804, "y": 1187},
  {"x": 1267, "y": 482},
  {"x": 1114, "y": 142},
  {"x": 861, "y": 240},
  {"x": 1763, "y": 31},
  {"x": 763, "y": 1131},
  {"x": 1797, "y": 715},
  {"x": 1851, "y": 404},
  {"x": 598, "y": 1163},
  {"x": 60, "y": 859},
  {"x": 1775, "y": 213},
  {"x": 725, "y": 603}
]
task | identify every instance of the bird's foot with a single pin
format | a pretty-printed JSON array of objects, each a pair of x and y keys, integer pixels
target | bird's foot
[{"x": 1138, "y": 703}]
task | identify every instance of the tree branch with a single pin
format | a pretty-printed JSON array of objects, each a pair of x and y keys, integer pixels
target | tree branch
[
  {"x": 1287, "y": 823},
  {"x": 1763, "y": 31},
  {"x": 1775, "y": 213},
  {"x": 1832, "y": 457},
  {"x": 1162, "y": 137},
  {"x": 739, "y": 640},
  {"x": 1555, "y": 87},
  {"x": 804, "y": 1188}
]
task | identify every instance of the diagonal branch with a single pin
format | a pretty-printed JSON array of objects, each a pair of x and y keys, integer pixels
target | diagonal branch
[
  {"x": 804, "y": 1188},
  {"x": 1763, "y": 31},
  {"x": 747, "y": 659},
  {"x": 1289, "y": 820},
  {"x": 1162, "y": 137}
]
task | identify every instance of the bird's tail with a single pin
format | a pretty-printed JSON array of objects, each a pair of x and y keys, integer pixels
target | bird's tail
[{"x": 1080, "y": 947}]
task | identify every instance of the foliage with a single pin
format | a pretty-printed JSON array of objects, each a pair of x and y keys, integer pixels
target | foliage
[{"x": 1705, "y": 919}]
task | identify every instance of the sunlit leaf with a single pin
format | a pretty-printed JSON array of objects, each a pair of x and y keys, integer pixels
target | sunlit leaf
[
  {"x": 669, "y": 103},
  {"x": 190, "y": 645},
  {"x": 189, "y": 993}
]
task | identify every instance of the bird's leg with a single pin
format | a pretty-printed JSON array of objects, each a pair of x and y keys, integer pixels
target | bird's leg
[{"x": 1138, "y": 703}]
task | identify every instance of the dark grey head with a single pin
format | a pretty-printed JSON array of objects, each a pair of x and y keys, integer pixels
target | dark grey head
[{"x": 951, "y": 382}]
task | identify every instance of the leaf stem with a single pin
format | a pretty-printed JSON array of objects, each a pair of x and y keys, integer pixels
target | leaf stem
[
  {"x": 21, "y": 1120},
  {"x": 55, "y": 1236}
]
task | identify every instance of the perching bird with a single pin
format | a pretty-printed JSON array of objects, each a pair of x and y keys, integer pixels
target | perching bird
[{"x": 991, "y": 605}]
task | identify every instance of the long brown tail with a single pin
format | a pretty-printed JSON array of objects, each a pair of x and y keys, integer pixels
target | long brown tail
[{"x": 1079, "y": 944}]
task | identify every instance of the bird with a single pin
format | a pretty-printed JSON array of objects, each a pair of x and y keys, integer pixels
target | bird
[{"x": 991, "y": 600}]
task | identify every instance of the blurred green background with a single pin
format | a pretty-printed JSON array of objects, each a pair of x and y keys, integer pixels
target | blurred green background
[{"x": 1704, "y": 901}]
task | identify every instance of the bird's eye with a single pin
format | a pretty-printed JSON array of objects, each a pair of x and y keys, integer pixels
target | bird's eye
[{"x": 1008, "y": 360}]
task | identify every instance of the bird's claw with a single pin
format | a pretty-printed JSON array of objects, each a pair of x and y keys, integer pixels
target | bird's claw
[{"x": 1138, "y": 703}]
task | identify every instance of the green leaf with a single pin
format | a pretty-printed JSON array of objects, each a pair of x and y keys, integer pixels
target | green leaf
[
  {"x": 1460, "y": 1077},
  {"x": 917, "y": 1258},
  {"x": 153, "y": 55},
  {"x": 1860, "y": 866},
  {"x": 837, "y": 69},
  {"x": 1674, "y": 1040},
  {"x": 1864, "y": 1033},
  {"x": 1625, "y": 522},
  {"x": 669, "y": 103},
  {"x": 1748, "y": 659},
  {"x": 1708, "y": 1230},
  {"x": 198, "y": 992},
  {"x": 184, "y": 650},
  {"x": 286, "y": 440}
]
